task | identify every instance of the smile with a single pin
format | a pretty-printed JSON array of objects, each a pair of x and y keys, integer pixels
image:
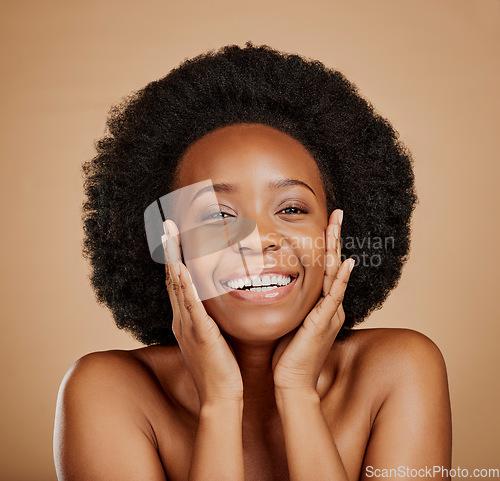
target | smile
[{"x": 268, "y": 287}]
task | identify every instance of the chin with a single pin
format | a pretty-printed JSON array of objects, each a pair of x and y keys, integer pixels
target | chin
[
  {"x": 251, "y": 326},
  {"x": 257, "y": 319}
]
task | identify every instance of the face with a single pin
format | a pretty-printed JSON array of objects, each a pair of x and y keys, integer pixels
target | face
[{"x": 262, "y": 174}]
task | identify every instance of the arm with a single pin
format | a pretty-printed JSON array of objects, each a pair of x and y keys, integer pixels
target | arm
[
  {"x": 297, "y": 362},
  {"x": 218, "y": 448},
  {"x": 99, "y": 433},
  {"x": 310, "y": 447},
  {"x": 412, "y": 429}
]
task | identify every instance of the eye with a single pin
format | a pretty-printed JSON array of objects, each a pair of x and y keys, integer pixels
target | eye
[
  {"x": 297, "y": 209},
  {"x": 216, "y": 215}
]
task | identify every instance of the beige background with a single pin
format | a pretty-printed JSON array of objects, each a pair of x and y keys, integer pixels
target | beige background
[{"x": 432, "y": 67}]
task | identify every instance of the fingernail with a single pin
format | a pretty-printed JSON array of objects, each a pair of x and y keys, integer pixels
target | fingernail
[
  {"x": 336, "y": 231},
  {"x": 177, "y": 268},
  {"x": 165, "y": 228},
  {"x": 164, "y": 241},
  {"x": 341, "y": 216},
  {"x": 352, "y": 264}
]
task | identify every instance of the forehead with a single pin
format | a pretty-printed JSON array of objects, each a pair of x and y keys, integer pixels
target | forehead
[{"x": 247, "y": 152}]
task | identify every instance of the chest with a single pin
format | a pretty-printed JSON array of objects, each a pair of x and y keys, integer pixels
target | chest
[
  {"x": 264, "y": 451},
  {"x": 265, "y": 457}
]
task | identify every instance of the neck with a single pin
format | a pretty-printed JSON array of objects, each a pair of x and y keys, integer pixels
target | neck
[{"x": 255, "y": 362}]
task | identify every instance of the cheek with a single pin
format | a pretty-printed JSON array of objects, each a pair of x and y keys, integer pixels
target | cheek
[
  {"x": 317, "y": 275},
  {"x": 312, "y": 258},
  {"x": 307, "y": 252},
  {"x": 310, "y": 250},
  {"x": 201, "y": 270}
]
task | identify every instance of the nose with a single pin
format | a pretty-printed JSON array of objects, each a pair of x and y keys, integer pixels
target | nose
[{"x": 261, "y": 240}]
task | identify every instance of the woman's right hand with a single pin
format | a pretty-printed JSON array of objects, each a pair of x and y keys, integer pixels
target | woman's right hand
[{"x": 208, "y": 356}]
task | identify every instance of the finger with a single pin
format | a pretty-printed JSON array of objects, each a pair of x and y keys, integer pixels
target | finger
[
  {"x": 320, "y": 328},
  {"x": 337, "y": 320},
  {"x": 172, "y": 253},
  {"x": 330, "y": 259},
  {"x": 282, "y": 345},
  {"x": 320, "y": 319},
  {"x": 177, "y": 259},
  {"x": 341, "y": 314},
  {"x": 333, "y": 300},
  {"x": 339, "y": 245},
  {"x": 179, "y": 285},
  {"x": 187, "y": 295},
  {"x": 193, "y": 312},
  {"x": 169, "y": 282},
  {"x": 332, "y": 250},
  {"x": 172, "y": 233}
]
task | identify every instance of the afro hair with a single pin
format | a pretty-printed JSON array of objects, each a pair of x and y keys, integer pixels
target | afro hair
[{"x": 366, "y": 170}]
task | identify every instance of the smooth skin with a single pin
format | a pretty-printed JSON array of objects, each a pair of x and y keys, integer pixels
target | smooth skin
[
  {"x": 296, "y": 364},
  {"x": 258, "y": 392}
]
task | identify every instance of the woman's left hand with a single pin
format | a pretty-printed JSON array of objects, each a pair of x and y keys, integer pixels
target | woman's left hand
[{"x": 300, "y": 355}]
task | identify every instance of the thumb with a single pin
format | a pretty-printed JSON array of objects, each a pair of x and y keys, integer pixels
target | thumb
[{"x": 281, "y": 346}]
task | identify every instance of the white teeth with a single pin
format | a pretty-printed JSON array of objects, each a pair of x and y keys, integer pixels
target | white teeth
[
  {"x": 283, "y": 280},
  {"x": 263, "y": 289},
  {"x": 267, "y": 282}
]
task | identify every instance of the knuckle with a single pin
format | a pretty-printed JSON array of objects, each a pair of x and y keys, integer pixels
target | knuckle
[
  {"x": 315, "y": 324},
  {"x": 207, "y": 334},
  {"x": 337, "y": 323},
  {"x": 189, "y": 306},
  {"x": 316, "y": 327},
  {"x": 341, "y": 285},
  {"x": 176, "y": 328},
  {"x": 338, "y": 297}
]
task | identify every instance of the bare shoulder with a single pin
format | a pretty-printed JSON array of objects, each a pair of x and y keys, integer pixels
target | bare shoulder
[
  {"x": 405, "y": 374},
  {"x": 109, "y": 375},
  {"x": 102, "y": 363},
  {"x": 394, "y": 345},
  {"x": 394, "y": 358},
  {"x": 101, "y": 416}
]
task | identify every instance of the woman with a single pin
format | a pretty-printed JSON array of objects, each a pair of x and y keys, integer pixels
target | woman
[{"x": 245, "y": 382}]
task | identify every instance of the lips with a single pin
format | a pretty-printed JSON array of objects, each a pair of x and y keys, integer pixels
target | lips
[{"x": 266, "y": 296}]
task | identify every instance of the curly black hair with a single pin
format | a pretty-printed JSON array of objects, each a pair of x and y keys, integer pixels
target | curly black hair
[{"x": 366, "y": 170}]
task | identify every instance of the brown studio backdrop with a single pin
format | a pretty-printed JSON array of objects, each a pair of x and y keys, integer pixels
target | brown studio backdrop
[{"x": 431, "y": 67}]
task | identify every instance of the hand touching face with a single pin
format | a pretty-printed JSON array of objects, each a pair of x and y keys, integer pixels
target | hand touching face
[
  {"x": 300, "y": 355},
  {"x": 259, "y": 173}
]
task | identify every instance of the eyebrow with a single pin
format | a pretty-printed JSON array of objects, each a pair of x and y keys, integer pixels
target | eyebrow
[
  {"x": 231, "y": 189},
  {"x": 227, "y": 188},
  {"x": 279, "y": 184}
]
